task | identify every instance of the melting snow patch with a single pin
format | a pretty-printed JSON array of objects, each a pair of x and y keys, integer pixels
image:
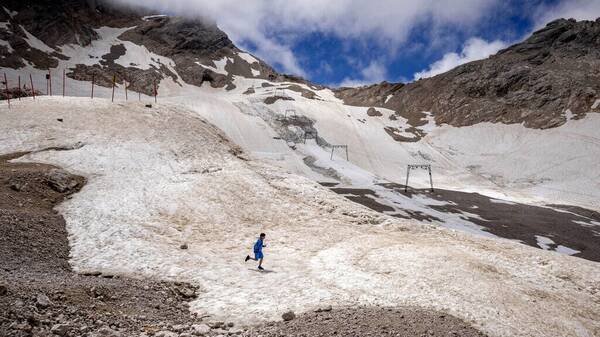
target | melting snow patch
[
  {"x": 248, "y": 58},
  {"x": 388, "y": 98},
  {"x": 36, "y": 43},
  {"x": 566, "y": 250},
  {"x": 12, "y": 14},
  {"x": 596, "y": 104},
  {"x": 150, "y": 17},
  {"x": 500, "y": 201},
  {"x": 544, "y": 242}
]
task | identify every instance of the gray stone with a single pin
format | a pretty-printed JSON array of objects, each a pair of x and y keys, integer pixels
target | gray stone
[
  {"x": 200, "y": 329},
  {"x": 61, "y": 181},
  {"x": 166, "y": 333},
  {"x": 3, "y": 290},
  {"x": 42, "y": 301},
  {"x": 288, "y": 316}
]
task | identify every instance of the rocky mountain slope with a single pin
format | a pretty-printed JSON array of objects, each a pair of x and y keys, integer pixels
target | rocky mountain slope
[
  {"x": 533, "y": 82},
  {"x": 40, "y": 34}
]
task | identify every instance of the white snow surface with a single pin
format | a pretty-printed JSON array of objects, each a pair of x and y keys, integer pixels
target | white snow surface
[{"x": 146, "y": 194}]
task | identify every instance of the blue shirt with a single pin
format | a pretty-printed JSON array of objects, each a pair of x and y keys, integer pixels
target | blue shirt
[{"x": 258, "y": 246}]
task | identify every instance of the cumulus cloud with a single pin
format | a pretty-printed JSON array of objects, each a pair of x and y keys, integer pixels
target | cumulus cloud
[
  {"x": 576, "y": 9},
  {"x": 373, "y": 73},
  {"x": 474, "y": 49},
  {"x": 270, "y": 25}
]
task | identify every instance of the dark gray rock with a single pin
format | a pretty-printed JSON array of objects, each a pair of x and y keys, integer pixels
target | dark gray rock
[{"x": 61, "y": 181}]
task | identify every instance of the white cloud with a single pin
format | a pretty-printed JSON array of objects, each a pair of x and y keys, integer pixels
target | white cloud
[
  {"x": 388, "y": 22},
  {"x": 375, "y": 72},
  {"x": 576, "y": 9},
  {"x": 474, "y": 49}
]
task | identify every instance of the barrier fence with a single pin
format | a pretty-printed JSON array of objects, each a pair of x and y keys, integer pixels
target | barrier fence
[{"x": 28, "y": 90}]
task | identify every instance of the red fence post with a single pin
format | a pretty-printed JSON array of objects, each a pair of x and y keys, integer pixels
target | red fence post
[
  {"x": 7, "y": 92},
  {"x": 32, "y": 89},
  {"x": 113, "y": 88},
  {"x": 93, "y": 78},
  {"x": 64, "y": 77}
]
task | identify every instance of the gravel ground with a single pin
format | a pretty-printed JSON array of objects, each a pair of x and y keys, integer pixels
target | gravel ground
[{"x": 41, "y": 296}]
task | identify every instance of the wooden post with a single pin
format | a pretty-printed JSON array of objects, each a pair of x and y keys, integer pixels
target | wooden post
[
  {"x": 332, "y": 148},
  {"x": 113, "y": 88},
  {"x": 155, "y": 91},
  {"x": 125, "y": 83},
  {"x": 139, "y": 96},
  {"x": 64, "y": 78},
  {"x": 430, "y": 179},
  {"x": 93, "y": 79},
  {"x": 7, "y": 92},
  {"x": 347, "y": 153},
  {"x": 50, "y": 81},
  {"x": 19, "y": 79},
  {"x": 407, "y": 174},
  {"x": 32, "y": 88}
]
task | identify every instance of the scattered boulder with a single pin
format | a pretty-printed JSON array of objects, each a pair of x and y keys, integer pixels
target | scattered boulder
[
  {"x": 200, "y": 329},
  {"x": 288, "y": 316},
  {"x": 216, "y": 324},
  {"x": 184, "y": 246},
  {"x": 3, "y": 290},
  {"x": 61, "y": 181},
  {"x": 185, "y": 290},
  {"x": 42, "y": 301},
  {"x": 60, "y": 329},
  {"x": 148, "y": 105},
  {"x": 374, "y": 112},
  {"x": 326, "y": 308}
]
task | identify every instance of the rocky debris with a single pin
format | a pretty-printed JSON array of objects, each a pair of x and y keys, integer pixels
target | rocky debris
[
  {"x": 533, "y": 82},
  {"x": 249, "y": 91},
  {"x": 61, "y": 181},
  {"x": 16, "y": 92},
  {"x": 166, "y": 334},
  {"x": 288, "y": 316},
  {"x": 184, "y": 246},
  {"x": 368, "y": 321},
  {"x": 372, "y": 112},
  {"x": 16, "y": 184},
  {"x": 273, "y": 99},
  {"x": 3, "y": 290}
]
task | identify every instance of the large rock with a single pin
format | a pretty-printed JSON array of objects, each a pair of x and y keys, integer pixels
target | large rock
[
  {"x": 61, "y": 181},
  {"x": 42, "y": 301}
]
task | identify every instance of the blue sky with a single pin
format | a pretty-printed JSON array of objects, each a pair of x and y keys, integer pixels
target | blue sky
[{"x": 357, "y": 42}]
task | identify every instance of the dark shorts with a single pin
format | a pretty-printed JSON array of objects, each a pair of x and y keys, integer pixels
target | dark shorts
[{"x": 258, "y": 255}]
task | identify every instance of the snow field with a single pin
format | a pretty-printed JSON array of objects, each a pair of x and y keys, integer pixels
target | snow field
[{"x": 147, "y": 194}]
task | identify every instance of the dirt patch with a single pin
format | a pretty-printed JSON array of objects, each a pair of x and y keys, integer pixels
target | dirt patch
[
  {"x": 41, "y": 293},
  {"x": 574, "y": 227},
  {"x": 370, "y": 321}
]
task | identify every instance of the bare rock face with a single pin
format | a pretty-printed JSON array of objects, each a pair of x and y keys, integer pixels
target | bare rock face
[{"x": 533, "y": 82}]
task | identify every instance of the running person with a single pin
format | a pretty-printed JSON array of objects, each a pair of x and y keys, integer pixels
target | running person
[{"x": 258, "y": 254}]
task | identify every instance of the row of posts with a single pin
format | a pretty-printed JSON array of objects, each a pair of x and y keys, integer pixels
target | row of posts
[{"x": 64, "y": 80}]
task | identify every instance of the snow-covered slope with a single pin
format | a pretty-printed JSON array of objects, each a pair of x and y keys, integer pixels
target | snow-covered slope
[{"x": 162, "y": 176}]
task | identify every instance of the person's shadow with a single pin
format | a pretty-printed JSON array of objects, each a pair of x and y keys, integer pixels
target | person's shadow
[{"x": 266, "y": 271}]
